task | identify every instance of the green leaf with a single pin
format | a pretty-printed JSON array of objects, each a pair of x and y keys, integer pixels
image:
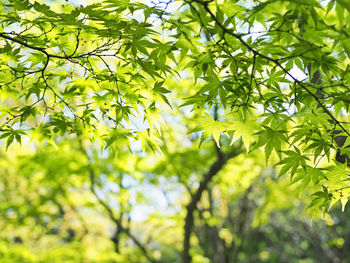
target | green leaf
[
  {"x": 344, "y": 3},
  {"x": 292, "y": 162},
  {"x": 212, "y": 127},
  {"x": 272, "y": 139},
  {"x": 245, "y": 130}
]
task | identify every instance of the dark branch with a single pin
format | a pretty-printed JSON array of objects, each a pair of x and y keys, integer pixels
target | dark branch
[{"x": 191, "y": 207}]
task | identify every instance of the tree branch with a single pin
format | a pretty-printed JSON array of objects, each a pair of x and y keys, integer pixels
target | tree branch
[
  {"x": 192, "y": 206},
  {"x": 116, "y": 221}
]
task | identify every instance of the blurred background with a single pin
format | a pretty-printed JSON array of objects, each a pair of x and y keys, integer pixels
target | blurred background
[{"x": 73, "y": 202}]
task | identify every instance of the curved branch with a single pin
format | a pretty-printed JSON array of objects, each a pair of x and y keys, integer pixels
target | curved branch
[
  {"x": 192, "y": 206},
  {"x": 116, "y": 221}
]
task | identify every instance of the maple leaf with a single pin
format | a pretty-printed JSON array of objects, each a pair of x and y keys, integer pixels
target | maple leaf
[
  {"x": 212, "y": 127},
  {"x": 245, "y": 130},
  {"x": 292, "y": 162}
]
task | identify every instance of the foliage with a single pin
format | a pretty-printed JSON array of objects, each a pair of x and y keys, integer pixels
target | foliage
[{"x": 113, "y": 99}]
